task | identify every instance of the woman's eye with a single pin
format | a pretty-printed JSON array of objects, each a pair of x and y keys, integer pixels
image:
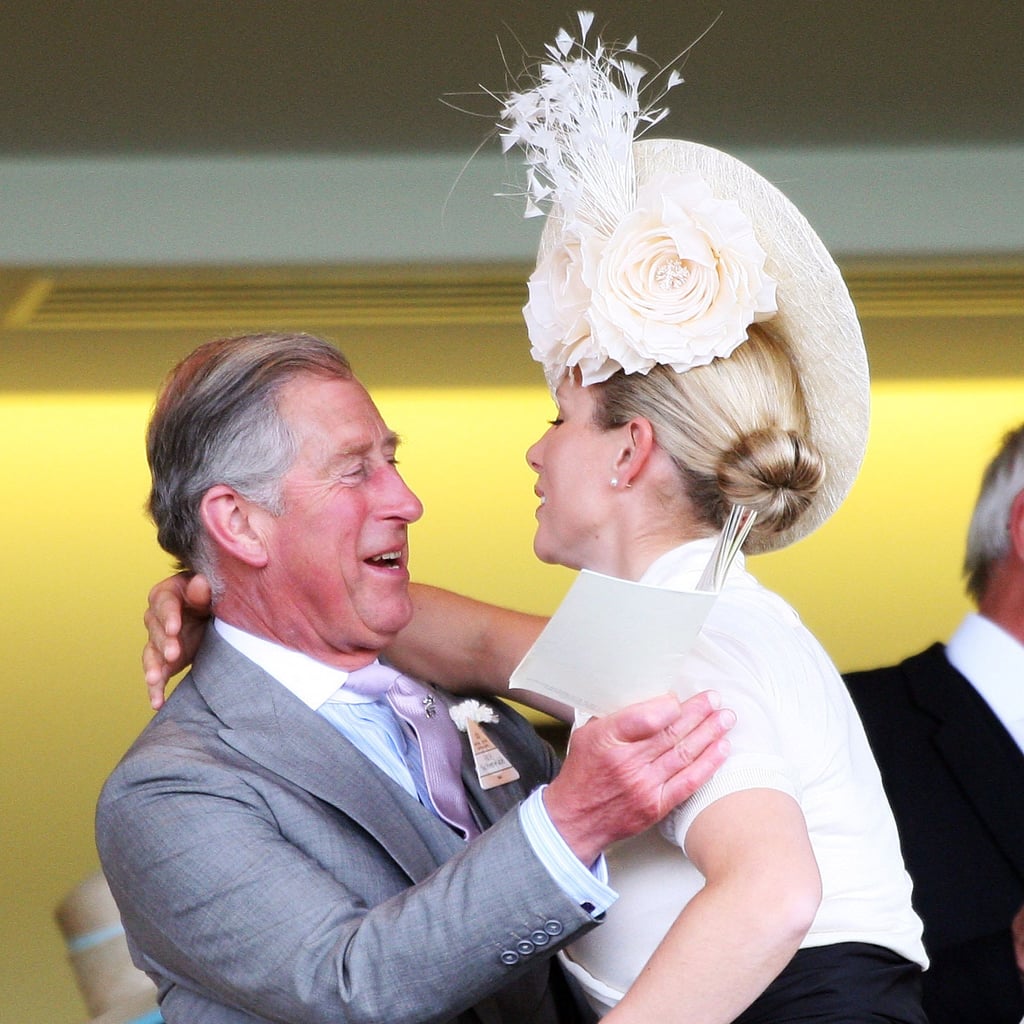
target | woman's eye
[{"x": 557, "y": 422}]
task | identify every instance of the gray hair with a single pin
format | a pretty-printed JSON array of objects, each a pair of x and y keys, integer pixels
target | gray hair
[
  {"x": 216, "y": 421},
  {"x": 988, "y": 536},
  {"x": 736, "y": 429}
]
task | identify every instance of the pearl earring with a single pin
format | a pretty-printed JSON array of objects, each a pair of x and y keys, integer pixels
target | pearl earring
[{"x": 615, "y": 481}]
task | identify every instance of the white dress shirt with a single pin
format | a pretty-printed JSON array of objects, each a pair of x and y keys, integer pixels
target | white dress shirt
[{"x": 992, "y": 661}]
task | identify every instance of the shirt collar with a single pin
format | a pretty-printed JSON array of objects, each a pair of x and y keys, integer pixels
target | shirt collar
[
  {"x": 993, "y": 661},
  {"x": 313, "y": 682},
  {"x": 683, "y": 566}
]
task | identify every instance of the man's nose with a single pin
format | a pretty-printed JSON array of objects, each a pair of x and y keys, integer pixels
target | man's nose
[{"x": 401, "y": 502}]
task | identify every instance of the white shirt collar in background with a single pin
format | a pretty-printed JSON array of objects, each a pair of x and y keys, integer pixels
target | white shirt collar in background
[{"x": 993, "y": 661}]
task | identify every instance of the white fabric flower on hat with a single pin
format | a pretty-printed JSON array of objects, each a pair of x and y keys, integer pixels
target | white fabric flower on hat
[
  {"x": 556, "y": 313},
  {"x": 678, "y": 282}
]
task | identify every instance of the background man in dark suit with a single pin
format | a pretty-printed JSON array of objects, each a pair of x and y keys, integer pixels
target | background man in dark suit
[
  {"x": 947, "y": 729},
  {"x": 273, "y": 839}
]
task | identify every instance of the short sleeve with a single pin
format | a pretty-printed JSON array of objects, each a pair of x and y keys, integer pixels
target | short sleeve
[{"x": 757, "y": 759}]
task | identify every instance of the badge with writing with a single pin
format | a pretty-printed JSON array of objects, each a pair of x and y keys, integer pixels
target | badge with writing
[{"x": 493, "y": 768}]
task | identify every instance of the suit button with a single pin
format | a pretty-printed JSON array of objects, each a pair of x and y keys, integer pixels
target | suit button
[
  {"x": 525, "y": 947},
  {"x": 553, "y": 927},
  {"x": 539, "y": 938},
  {"x": 509, "y": 957}
]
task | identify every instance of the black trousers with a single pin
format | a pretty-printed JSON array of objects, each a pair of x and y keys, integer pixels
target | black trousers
[{"x": 847, "y": 983}]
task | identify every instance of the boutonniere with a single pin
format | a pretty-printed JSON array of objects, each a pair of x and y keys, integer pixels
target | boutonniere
[{"x": 493, "y": 768}]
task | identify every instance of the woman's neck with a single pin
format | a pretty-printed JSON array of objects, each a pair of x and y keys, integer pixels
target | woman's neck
[
  {"x": 647, "y": 519},
  {"x": 633, "y": 554}
]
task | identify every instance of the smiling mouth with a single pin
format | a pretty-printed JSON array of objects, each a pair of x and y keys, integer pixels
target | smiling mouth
[{"x": 387, "y": 560}]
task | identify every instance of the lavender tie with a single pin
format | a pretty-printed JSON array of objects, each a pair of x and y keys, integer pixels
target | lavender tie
[{"x": 440, "y": 747}]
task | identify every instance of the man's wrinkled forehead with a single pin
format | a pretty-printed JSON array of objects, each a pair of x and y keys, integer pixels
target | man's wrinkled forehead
[{"x": 338, "y": 413}]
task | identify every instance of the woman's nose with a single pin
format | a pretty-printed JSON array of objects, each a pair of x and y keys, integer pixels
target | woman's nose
[{"x": 533, "y": 454}]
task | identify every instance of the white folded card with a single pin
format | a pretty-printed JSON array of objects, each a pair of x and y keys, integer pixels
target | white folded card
[{"x": 614, "y": 642}]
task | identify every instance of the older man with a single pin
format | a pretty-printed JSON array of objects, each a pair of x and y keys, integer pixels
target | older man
[
  {"x": 947, "y": 728},
  {"x": 281, "y": 846}
]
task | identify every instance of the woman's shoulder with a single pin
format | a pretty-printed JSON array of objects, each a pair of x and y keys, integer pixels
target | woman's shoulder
[{"x": 757, "y": 628}]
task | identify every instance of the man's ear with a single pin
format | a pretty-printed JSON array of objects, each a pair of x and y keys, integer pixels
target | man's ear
[
  {"x": 231, "y": 521},
  {"x": 1016, "y": 526},
  {"x": 638, "y": 444}
]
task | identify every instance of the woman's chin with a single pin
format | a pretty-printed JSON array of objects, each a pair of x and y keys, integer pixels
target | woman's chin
[
  {"x": 550, "y": 556},
  {"x": 545, "y": 553},
  {"x": 541, "y": 556}
]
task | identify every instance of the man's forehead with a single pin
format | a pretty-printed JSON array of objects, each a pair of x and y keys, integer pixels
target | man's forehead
[
  {"x": 365, "y": 440},
  {"x": 339, "y": 408}
]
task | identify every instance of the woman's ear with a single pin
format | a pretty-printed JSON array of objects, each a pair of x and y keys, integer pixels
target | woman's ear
[
  {"x": 231, "y": 522},
  {"x": 638, "y": 435}
]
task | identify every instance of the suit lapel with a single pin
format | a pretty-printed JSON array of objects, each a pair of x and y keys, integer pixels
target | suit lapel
[
  {"x": 975, "y": 746},
  {"x": 273, "y": 728},
  {"x": 488, "y": 805}
]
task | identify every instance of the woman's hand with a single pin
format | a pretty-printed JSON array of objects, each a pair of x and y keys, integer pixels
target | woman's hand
[{"x": 179, "y": 609}]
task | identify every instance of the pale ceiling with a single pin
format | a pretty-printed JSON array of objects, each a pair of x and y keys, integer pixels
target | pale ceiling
[{"x": 260, "y": 76}]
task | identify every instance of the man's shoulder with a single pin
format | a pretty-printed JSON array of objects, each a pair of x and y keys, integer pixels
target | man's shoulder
[
  {"x": 184, "y": 731},
  {"x": 185, "y": 739},
  {"x": 914, "y": 690},
  {"x": 931, "y": 662}
]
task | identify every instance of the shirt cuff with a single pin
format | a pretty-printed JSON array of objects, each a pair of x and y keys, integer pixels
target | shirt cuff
[{"x": 586, "y": 886}]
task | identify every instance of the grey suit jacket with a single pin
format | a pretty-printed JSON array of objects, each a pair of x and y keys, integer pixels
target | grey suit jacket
[{"x": 266, "y": 870}]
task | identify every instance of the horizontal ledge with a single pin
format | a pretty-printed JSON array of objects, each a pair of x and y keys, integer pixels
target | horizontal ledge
[{"x": 214, "y": 298}]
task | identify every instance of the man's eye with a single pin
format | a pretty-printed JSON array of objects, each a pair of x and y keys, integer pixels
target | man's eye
[{"x": 557, "y": 422}]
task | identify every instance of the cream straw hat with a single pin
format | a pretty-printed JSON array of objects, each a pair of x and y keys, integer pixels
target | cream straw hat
[{"x": 663, "y": 251}]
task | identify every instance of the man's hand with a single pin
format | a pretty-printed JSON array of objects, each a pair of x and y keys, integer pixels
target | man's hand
[
  {"x": 625, "y": 772},
  {"x": 1018, "y": 941},
  {"x": 179, "y": 608}
]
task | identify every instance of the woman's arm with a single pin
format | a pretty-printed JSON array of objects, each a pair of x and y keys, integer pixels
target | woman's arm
[
  {"x": 468, "y": 646},
  {"x": 734, "y": 937},
  {"x": 464, "y": 645}
]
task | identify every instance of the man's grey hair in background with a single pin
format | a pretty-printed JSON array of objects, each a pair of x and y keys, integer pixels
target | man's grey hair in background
[
  {"x": 988, "y": 537},
  {"x": 216, "y": 421}
]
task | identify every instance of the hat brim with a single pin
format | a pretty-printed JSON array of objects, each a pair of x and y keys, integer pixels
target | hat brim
[{"x": 816, "y": 318}]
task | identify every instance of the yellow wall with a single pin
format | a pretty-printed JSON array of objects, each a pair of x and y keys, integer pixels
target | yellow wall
[{"x": 879, "y": 581}]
